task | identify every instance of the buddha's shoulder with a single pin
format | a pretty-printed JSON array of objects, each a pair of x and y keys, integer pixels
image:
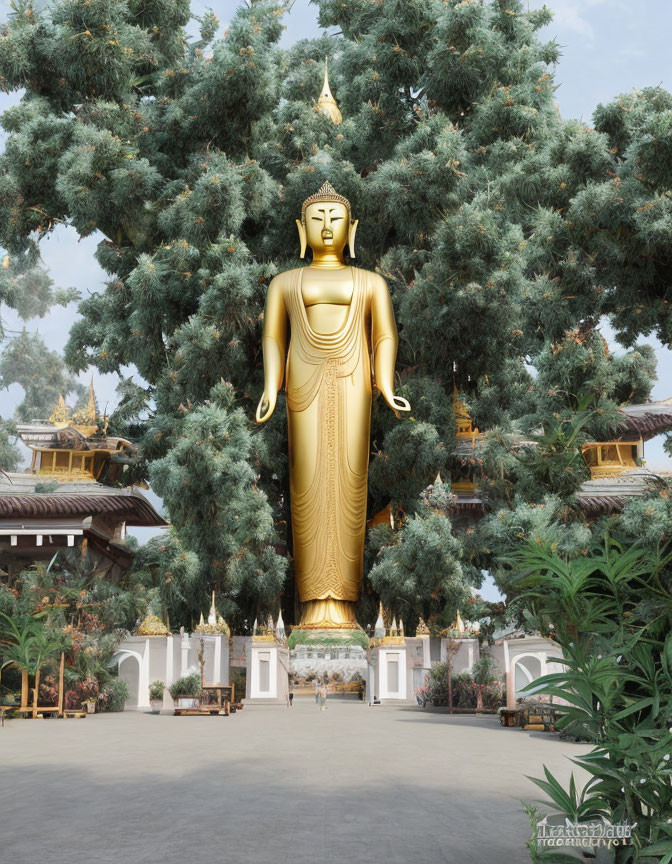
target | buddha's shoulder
[
  {"x": 284, "y": 280},
  {"x": 374, "y": 281}
]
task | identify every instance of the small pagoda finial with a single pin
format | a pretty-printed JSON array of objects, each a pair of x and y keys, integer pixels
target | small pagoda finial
[
  {"x": 465, "y": 428},
  {"x": 379, "y": 626},
  {"x": 212, "y": 615},
  {"x": 326, "y": 104},
  {"x": 422, "y": 629}
]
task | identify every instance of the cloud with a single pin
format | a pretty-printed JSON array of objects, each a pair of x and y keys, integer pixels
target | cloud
[{"x": 570, "y": 16}]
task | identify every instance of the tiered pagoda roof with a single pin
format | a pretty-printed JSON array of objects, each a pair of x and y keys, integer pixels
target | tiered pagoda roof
[
  {"x": 19, "y": 498},
  {"x": 616, "y": 467},
  {"x": 61, "y": 501},
  {"x": 603, "y": 495},
  {"x": 647, "y": 420}
]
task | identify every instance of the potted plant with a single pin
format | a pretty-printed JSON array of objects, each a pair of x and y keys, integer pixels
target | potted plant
[
  {"x": 156, "y": 689},
  {"x": 90, "y": 704}
]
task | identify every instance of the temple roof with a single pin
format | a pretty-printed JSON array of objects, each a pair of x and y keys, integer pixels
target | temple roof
[
  {"x": 18, "y": 499},
  {"x": 646, "y": 420},
  {"x": 609, "y": 494},
  {"x": 46, "y": 436}
]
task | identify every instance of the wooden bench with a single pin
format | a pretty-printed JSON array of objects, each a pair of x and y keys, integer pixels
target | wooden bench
[{"x": 215, "y": 699}]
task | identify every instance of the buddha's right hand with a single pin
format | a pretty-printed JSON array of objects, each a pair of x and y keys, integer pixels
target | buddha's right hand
[{"x": 266, "y": 406}]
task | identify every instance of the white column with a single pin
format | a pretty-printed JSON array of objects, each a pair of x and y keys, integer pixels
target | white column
[
  {"x": 184, "y": 665},
  {"x": 426, "y": 656},
  {"x": 143, "y": 694},
  {"x": 167, "y": 701},
  {"x": 218, "y": 660}
]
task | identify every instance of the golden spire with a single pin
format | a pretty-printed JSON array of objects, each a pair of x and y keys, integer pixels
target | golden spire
[
  {"x": 85, "y": 420},
  {"x": 326, "y": 104},
  {"x": 92, "y": 401}
]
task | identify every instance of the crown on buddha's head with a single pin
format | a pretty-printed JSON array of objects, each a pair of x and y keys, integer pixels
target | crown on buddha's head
[{"x": 326, "y": 192}]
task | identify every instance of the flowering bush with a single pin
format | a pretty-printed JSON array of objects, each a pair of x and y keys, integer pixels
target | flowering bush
[
  {"x": 465, "y": 689},
  {"x": 80, "y": 691}
]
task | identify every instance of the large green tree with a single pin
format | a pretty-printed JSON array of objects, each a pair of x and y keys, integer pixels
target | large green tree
[
  {"x": 505, "y": 234},
  {"x": 27, "y": 292}
]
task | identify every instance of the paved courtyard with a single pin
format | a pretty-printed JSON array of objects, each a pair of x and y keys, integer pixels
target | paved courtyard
[{"x": 271, "y": 784}]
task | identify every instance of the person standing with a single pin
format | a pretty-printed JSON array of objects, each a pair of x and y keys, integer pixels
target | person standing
[{"x": 323, "y": 696}]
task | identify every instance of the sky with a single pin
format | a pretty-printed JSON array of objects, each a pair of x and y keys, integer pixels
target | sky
[{"x": 608, "y": 47}]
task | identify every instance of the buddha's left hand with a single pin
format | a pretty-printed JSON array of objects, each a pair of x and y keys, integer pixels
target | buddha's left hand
[{"x": 398, "y": 403}]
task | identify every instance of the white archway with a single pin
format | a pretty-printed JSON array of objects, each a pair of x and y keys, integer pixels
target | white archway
[
  {"x": 141, "y": 689},
  {"x": 528, "y": 674}
]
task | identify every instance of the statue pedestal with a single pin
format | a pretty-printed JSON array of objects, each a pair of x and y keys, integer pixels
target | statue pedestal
[{"x": 267, "y": 670}]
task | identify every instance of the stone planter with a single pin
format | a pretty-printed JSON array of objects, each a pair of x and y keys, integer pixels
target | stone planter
[
  {"x": 90, "y": 707},
  {"x": 156, "y": 705}
]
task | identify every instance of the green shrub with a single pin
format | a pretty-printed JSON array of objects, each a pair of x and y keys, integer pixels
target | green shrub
[
  {"x": 156, "y": 689},
  {"x": 114, "y": 696},
  {"x": 611, "y": 611},
  {"x": 190, "y": 685}
]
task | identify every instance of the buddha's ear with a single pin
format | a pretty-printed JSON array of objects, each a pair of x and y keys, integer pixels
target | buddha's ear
[
  {"x": 302, "y": 237},
  {"x": 351, "y": 237}
]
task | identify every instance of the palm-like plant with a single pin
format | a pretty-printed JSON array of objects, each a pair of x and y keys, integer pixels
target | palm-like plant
[
  {"x": 611, "y": 611},
  {"x": 25, "y": 643}
]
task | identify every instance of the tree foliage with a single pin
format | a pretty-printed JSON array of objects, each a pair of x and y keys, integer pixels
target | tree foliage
[{"x": 506, "y": 234}]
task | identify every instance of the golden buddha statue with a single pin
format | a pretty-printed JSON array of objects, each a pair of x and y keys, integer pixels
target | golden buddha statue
[{"x": 339, "y": 317}]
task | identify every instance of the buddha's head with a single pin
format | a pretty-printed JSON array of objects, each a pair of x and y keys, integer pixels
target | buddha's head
[{"x": 326, "y": 224}]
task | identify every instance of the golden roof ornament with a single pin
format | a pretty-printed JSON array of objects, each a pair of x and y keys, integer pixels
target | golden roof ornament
[
  {"x": 326, "y": 104},
  {"x": 422, "y": 629},
  {"x": 153, "y": 626},
  {"x": 60, "y": 416},
  {"x": 326, "y": 192}
]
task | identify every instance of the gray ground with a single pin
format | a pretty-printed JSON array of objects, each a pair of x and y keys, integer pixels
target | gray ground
[{"x": 271, "y": 784}]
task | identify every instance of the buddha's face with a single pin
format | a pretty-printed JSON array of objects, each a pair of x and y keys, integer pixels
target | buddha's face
[{"x": 327, "y": 226}]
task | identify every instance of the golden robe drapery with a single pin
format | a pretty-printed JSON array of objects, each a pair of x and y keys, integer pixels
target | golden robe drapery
[{"x": 328, "y": 381}]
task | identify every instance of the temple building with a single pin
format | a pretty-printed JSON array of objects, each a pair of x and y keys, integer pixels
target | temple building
[
  {"x": 617, "y": 469},
  {"x": 72, "y": 495}
]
